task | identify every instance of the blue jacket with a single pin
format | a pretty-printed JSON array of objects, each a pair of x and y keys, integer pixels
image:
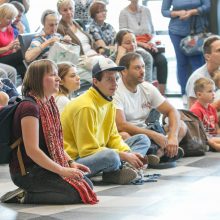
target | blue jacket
[{"x": 182, "y": 27}]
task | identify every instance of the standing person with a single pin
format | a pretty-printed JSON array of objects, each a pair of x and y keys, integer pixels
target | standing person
[
  {"x": 69, "y": 82},
  {"x": 90, "y": 133},
  {"x": 182, "y": 13},
  {"x": 103, "y": 33},
  {"x": 126, "y": 42},
  {"x": 48, "y": 175},
  {"x": 134, "y": 99},
  {"x": 137, "y": 18}
]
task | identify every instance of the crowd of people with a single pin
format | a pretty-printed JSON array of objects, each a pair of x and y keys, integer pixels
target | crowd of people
[{"x": 67, "y": 141}]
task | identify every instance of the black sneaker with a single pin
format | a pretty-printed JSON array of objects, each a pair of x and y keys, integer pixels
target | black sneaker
[
  {"x": 15, "y": 196},
  {"x": 179, "y": 155}
]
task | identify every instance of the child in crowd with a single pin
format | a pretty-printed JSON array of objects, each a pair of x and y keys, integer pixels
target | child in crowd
[
  {"x": 70, "y": 82},
  {"x": 205, "y": 92}
]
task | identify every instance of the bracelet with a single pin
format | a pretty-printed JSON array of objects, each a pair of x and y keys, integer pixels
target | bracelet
[{"x": 70, "y": 162}]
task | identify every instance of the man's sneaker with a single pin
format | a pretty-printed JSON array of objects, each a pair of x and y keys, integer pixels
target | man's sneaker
[
  {"x": 179, "y": 155},
  {"x": 152, "y": 159},
  {"x": 15, "y": 196},
  {"x": 121, "y": 177}
]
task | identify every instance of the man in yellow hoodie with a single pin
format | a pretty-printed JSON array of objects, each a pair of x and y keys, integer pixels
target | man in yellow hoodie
[{"x": 90, "y": 133}]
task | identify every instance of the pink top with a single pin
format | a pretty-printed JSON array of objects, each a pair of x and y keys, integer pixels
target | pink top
[{"x": 6, "y": 37}]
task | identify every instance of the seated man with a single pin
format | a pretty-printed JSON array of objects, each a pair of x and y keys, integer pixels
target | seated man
[
  {"x": 135, "y": 99},
  {"x": 90, "y": 133},
  {"x": 211, "y": 51}
]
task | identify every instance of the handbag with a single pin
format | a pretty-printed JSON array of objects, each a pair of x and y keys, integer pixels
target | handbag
[
  {"x": 192, "y": 44},
  {"x": 60, "y": 52}
]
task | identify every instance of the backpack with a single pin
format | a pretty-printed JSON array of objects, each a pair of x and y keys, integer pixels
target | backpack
[
  {"x": 7, "y": 144},
  {"x": 195, "y": 141}
]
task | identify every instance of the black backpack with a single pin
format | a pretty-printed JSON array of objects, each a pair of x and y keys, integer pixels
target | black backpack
[
  {"x": 195, "y": 141},
  {"x": 7, "y": 144}
]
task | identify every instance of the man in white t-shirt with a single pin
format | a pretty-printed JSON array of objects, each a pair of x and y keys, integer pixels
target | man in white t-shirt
[
  {"x": 134, "y": 99},
  {"x": 211, "y": 50}
]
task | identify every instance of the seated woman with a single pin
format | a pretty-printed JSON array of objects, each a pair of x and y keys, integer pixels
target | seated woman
[
  {"x": 70, "y": 82},
  {"x": 138, "y": 18},
  {"x": 126, "y": 42},
  {"x": 103, "y": 33},
  {"x": 41, "y": 44},
  {"x": 67, "y": 26},
  {"x": 10, "y": 52},
  {"x": 48, "y": 174}
]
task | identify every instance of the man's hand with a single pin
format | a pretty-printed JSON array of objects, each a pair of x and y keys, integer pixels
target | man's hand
[
  {"x": 171, "y": 149},
  {"x": 132, "y": 158}
]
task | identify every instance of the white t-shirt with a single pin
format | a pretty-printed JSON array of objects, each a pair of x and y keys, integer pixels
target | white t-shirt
[
  {"x": 85, "y": 43},
  {"x": 197, "y": 74},
  {"x": 136, "y": 106},
  {"x": 61, "y": 101}
]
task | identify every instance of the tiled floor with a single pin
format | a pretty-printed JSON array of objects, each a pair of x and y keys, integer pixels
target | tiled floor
[{"x": 189, "y": 191}]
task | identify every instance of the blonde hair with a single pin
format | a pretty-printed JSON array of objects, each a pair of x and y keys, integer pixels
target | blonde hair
[
  {"x": 62, "y": 3},
  {"x": 8, "y": 10},
  {"x": 201, "y": 83},
  {"x": 33, "y": 80}
]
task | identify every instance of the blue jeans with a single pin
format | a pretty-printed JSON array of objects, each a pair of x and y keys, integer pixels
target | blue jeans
[
  {"x": 185, "y": 64},
  {"x": 108, "y": 160}
]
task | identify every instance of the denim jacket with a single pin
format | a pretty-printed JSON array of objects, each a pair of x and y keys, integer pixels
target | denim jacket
[{"x": 183, "y": 27}]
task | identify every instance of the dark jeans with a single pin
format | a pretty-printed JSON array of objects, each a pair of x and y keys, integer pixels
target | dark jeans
[
  {"x": 15, "y": 60},
  {"x": 45, "y": 187}
]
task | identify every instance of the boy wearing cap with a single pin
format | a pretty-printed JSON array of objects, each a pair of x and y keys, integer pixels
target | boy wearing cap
[
  {"x": 90, "y": 133},
  {"x": 135, "y": 98}
]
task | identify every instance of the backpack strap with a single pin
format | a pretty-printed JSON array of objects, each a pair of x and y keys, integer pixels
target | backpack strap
[{"x": 17, "y": 143}]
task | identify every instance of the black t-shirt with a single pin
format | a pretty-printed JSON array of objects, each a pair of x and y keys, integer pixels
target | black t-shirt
[{"x": 25, "y": 108}]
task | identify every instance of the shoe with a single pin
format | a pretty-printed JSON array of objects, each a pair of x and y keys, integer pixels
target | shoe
[
  {"x": 15, "y": 196},
  {"x": 179, "y": 155},
  {"x": 152, "y": 159},
  {"x": 121, "y": 177}
]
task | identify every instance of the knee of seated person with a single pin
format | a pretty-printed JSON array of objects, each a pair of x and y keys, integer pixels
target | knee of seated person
[
  {"x": 111, "y": 157},
  {"x": 4, "y": 98}
]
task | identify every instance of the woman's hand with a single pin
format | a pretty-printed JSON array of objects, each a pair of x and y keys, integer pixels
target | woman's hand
[
  {"x": 81, "y": 167},
  {"x": 67, "y": 39},
  {"x": 71, "y": 172},
  {"x": 52, "y": 40}
]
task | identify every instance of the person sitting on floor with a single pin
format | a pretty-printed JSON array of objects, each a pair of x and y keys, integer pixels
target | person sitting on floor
[
  {"x": 90, "y": 133},
  {"x": 70, "y": 82},
  {"x": 135, "y": 98},
  {"x": 205, "y": 92},
  {"x": 43, "y": 171}
]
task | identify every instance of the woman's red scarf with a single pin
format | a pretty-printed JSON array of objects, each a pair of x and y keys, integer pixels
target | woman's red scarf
[{"x": 53, "y": 135}]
